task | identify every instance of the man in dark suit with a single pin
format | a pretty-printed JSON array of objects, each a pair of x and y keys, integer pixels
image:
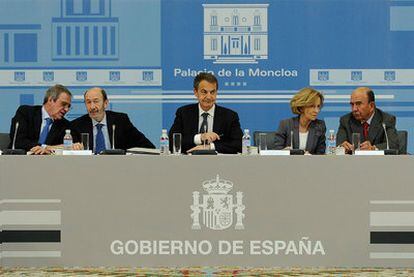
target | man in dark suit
[
  {"x": 206, "y": 122},
  {"x": 101, "y": 124},
  {"x": 367, "y": 120},
  {"x": 42, "y": 127}
]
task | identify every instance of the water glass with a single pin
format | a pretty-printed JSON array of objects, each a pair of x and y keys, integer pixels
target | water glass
[
  {"x": 356, "y": 141},
  {"x": 177, "y": 143},
  {"x": 262, "y": 141},
  {"x": 85, "y": 141}
]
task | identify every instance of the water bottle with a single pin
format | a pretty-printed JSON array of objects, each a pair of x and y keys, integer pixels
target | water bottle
[
  {"x": 331, "y": 143},
  {"x": 246, "y": 142},
  {"x": 67, "y": 140},
  {"x": 164, "y": 143}
]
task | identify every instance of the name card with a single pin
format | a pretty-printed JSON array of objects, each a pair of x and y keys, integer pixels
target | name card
[
  {"x": 369, "y": 153},
  {"x": 275, "y": 152}
]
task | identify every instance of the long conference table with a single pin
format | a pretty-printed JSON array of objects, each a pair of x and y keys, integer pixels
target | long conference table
[{"x": 161, "y": 211}]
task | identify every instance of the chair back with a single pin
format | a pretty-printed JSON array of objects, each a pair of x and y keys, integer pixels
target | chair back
[
  {"x": 4, "y": 141},
  {"x": 402, "y": 140}
]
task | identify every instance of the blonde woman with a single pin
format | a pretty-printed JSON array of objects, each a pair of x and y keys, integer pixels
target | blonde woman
[{"x": 308, "y": 131}]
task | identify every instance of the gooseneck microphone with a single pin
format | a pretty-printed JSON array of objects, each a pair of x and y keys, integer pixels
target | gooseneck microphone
[
  {"x": 113, "y": 136},
  {"x": 386, "y": 135},
  {"x": 15, "y": 135},
  {"x": 388, "y": 151},
  {"x": 113, "y": 150},
  {"x": 13, "y": 150}
]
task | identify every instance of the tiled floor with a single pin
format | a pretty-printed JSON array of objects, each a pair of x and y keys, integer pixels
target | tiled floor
[{"x": 204, "y": 271}]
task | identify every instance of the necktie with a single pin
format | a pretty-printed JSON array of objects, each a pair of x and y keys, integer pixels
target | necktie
[
  {"x": 45, "y": 131},
  {"x": 365, "y": 127},
  {"x": 204, "y": 124},
  {"x": 100, "y": 140}
]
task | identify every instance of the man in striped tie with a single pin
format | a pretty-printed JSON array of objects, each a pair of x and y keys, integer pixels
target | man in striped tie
[{"x": 367, "y": 120}]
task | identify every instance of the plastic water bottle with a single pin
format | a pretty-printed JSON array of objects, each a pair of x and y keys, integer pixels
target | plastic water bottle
[
  {"x": 164, "y": 143},
  {"x": 246, "y": 142},
  {"x": 331, "y": 143},
  {"x": 67, "y": 140}
]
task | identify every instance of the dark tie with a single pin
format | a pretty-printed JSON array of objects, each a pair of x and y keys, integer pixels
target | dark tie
[
  {"x": 365, "y": 127},
  {"x": 204, "y": 124},
  {"x": 100, "y": 140},
  {"x": 45, "y": 131}
]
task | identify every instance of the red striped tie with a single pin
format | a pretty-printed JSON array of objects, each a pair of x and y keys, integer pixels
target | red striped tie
[{"x": 365, "y": 127}]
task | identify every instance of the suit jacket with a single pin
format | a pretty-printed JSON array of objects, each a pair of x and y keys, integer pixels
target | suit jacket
[
  {"x": 315, "y": 143},
  {"x": 225, "y": 123},
  {"x": 126, "y": 135},
  {"x": 30, "y": 122},
  {"x": 348, "y": 125}
]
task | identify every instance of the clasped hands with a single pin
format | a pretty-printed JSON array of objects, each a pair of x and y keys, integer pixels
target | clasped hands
[
  {"x": 48, "y": 149},
  {"x": 208, "y": 138},
  {"x": 366, "y": 145}
]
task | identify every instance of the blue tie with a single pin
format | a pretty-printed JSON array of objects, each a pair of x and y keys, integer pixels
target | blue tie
[
  {"x": 45, "y": 131},
  {"x": 100, "y": 140}
]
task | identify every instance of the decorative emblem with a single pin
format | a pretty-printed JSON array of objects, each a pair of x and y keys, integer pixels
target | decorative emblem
[
  {"x": 389, "y": 76},
  {"x": 323, "y": 75},
  {"x": 114, "y": 76},
  {"x": 148, "y": 76},
  {"x": 81, "y": 76},
  {"x": 19, "y": 76},
  {"x": 356, "y": 75},
  {"x": 217, "y": 206},
  {"x": 48, "y": 76}
]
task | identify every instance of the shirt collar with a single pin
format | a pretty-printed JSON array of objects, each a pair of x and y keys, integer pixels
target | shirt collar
[
  {"x": 370, "y": 119},
  {"x": 103, "y": 122},
  {"x": 45, "y": 114},
  {"x": 210, "y": 111}
]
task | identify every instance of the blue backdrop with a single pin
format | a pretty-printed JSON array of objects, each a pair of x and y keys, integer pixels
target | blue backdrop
[{"x": 145, "y": 53}]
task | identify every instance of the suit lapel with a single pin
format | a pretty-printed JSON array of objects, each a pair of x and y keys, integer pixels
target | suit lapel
[
  {"x": 38, "y": 120},
  {"x": 375, "y": 127},
  {"x": 110, "y": 122},
  {"x": 310, "y": 142},
  {"x": 194, "y": 119},
  {"x": 356, "y": 127},
  {"x": 216, "y": 121},
  {"x": 295, "y": 130}
]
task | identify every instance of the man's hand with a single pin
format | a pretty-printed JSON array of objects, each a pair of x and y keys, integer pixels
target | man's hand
[
  {"x": 348, "y": 146},
  {"x": 199, "y": 147},
  {"x": 39, "y": 150},
  {"x": 209, "y": 137},
  {"x": 77, "y": 146},
  {"x": 366, "y": 145}
]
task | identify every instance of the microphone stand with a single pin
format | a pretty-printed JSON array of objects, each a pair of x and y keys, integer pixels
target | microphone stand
[{"x": 13, "y": 150}]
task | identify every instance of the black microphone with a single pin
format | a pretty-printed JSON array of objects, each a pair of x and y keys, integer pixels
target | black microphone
[
  {"x": 113, "y": 151},
  {"x": 14, "y": 151},
  {"x": 388, "y": 151}
]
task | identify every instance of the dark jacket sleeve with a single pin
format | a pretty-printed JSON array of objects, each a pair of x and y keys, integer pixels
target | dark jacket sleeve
[
  {"x": 178, "y": 127},
  {"x": 134, "y": 137},
  {"x": 231, "y": 141},
  {"x": 25, "y": 138},
  {"x": 393, "y": 141},
  {"x": 341, "y": 135},
  {"x": 321, "y": 144},
  {"x": 282, "y": 136}
]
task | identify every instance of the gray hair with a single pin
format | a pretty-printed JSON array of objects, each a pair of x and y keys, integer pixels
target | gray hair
[{"x": 55, "y": 92}]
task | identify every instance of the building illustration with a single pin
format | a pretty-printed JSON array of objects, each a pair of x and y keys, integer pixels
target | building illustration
[
  {"x": 85, "y": 30},
  {"x": 235, "y": 33}
]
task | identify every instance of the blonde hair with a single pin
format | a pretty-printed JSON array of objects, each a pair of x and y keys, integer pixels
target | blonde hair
[{"x": 304, "y": 98}]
